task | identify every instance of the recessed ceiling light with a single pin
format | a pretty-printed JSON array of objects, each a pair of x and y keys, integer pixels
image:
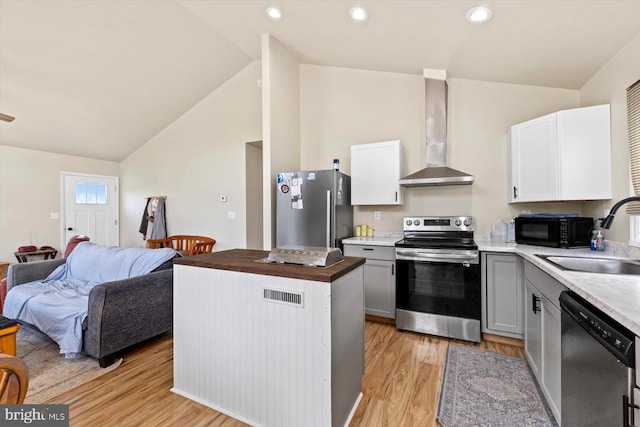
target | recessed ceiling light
[
  {"x": 479, "y": 14},
  {"x": 274, "y": 13},
  {"x": 358, "y": 14}
]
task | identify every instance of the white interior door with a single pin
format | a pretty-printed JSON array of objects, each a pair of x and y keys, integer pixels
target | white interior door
[{"x": 91, "y": 208}]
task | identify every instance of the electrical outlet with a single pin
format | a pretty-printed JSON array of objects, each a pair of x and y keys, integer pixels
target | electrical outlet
[
  {"x": 376, "y": 215},
  {"x": 231, "y": 215},
  {"x": 223, "y": 199}
]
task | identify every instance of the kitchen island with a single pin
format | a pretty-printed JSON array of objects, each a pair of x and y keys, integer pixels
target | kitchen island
[{"x": 269, "y": 344}]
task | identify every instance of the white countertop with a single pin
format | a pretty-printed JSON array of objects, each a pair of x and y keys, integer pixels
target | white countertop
[
  {"x": 617, "y": 295},
  {"x": 386, "y": 240}
]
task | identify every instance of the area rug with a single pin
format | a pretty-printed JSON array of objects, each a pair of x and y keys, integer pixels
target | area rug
[
  {"x": 483, "y": 388},
  {"x": 50, "y": 374}
]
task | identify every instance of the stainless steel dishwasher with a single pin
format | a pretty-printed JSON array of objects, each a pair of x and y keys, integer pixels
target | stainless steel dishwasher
[{"x": 598, "y": 366}]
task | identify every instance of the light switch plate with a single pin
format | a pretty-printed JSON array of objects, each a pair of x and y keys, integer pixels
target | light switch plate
[
  {"x": 231, "y": 215},
  {"x": 376, "y": 215},
  {"x": 54, "y": 215}
]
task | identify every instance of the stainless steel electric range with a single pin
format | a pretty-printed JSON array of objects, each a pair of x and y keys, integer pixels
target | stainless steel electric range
[{"x": 438, "y": 278}]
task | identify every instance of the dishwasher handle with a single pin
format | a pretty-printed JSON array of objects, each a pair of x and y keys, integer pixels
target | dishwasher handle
[{"x": 627, "y": 408}]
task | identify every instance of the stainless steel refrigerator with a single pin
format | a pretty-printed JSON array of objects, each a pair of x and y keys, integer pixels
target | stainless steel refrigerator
[{"x": 313, "y": 209}]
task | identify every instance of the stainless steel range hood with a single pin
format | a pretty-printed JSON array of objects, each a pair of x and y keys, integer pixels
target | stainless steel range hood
[{"x": 436, "y": 172}]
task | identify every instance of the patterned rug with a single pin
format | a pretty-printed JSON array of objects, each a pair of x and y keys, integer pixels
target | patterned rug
[
  {"x": 50, "y": 374},
  {"x": 483, "y": 388}
]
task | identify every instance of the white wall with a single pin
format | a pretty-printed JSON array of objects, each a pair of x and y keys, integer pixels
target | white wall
[
  {"x": 608, "y": 86},
  {"x": 281, "y": 124},
  {"x": 30, "y": 190},
  {"x": 340, "y": 107},
  {"x": 201, "y": 156},
  {"x": 195, "y": 160},
  {"x": 481, "y": 114}
]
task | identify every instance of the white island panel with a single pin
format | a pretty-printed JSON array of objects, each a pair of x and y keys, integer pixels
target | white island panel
[{"x": 263, "y": 362}]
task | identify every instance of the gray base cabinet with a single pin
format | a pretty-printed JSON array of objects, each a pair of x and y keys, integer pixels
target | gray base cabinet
[
  {"x": 502, "y": 291},
  {"x": 636, "y": 390},
  {"x": 379, "y": 278},
  {"x": 542, "y": 332},
  {"x": 551, "y": 355},
  {"x": 532, "y": 328}
]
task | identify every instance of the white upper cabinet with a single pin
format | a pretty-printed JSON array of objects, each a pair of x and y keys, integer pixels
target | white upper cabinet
[
  {"x": 561, "y": 156},
  {"x": 375, "y": 172}
]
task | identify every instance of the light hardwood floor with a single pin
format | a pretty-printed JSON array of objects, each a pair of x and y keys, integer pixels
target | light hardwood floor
[{"x": 401, "y": 385}]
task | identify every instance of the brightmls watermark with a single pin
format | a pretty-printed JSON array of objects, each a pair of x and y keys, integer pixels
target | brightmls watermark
[{"x": 34, "y": 415}]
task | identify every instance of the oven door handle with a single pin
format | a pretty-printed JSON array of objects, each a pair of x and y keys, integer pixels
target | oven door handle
[{"x": 452, "y": 258}]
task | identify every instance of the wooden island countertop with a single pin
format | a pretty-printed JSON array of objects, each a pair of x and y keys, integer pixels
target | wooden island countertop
[{"x": 248, "y": 261}]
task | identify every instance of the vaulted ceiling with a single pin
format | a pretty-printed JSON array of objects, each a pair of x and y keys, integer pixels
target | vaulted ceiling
[{"x": 99, "y": 78}]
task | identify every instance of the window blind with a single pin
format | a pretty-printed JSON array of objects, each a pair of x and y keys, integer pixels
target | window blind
[{"x": 633, "y": 122}]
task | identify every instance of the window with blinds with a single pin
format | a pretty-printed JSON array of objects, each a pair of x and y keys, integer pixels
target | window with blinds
[{"x": 633, "y": 122}]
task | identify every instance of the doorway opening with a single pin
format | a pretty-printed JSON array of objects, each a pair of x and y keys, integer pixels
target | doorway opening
[{"x": 253, "y": 171}]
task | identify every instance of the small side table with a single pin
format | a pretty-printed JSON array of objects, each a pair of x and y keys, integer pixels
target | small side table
[
  {"x": 3, "y": 265},
  {"x": 8, "y": 340},
  {"x": 47, "y": 253}
]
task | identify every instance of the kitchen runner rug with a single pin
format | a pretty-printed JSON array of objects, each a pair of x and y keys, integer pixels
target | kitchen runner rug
[
  {"x": 483, "y": 388},
  {"x": 50, "y": 374}
]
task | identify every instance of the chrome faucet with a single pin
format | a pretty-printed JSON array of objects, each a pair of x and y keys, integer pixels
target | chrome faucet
[{"x": 606, "y": 222}]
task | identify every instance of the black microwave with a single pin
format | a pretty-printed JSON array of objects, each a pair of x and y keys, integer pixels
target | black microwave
[{"x": 556, "y": 232}]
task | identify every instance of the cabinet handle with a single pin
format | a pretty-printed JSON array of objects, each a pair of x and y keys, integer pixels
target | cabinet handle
[
  {"x": 515, "y": 192},
  {"x": 396, "y": 196},
  {"x": 367, "y": 249},
  {"x": 534, "y": 303},
  {"x": 393, "y": 269}
]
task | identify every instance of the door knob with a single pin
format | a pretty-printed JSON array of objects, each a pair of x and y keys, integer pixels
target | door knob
[{"x": 69, "y": 228}]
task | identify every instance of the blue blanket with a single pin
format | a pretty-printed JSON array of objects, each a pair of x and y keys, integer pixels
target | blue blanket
[{"x": 58, "y": 304}]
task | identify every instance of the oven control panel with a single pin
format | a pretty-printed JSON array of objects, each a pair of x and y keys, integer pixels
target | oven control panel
[{"x": 438, "y": 223}]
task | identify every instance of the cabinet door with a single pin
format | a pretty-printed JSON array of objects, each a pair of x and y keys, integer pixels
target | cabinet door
[
  {"x": 551, "y": 355},
  {"x": 533, "y": 160},
  {"x": 380, "y": 288},
  {"x": 375, "y": 172},
  {"x": 532, "y": 328},
  {"x": 504, "y": 293},
  {"x": 637, "y": 365},
  {"x": 636, "y": 394},
  {"x": 584, "y": 136}
]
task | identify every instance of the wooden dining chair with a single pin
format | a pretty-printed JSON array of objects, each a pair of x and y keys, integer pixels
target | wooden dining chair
[
  {"x": 159, "y": 243},
  {"x": 202, "y": 247},
  {"x": 14, "y": 380},
  {"x": 186, "y": 244}
]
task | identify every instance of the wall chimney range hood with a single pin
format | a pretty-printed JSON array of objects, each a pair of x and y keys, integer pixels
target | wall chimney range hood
[{"x": 436, "y": 172}]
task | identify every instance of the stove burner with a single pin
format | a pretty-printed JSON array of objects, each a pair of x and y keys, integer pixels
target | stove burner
[{"x": 438, "y": 233}]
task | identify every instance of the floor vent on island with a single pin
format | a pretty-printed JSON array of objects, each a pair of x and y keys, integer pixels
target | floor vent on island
[{"x": 283, "y": 297}]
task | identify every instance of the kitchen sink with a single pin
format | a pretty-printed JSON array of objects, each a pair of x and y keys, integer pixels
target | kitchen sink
[{"x": 593, "y": 264}]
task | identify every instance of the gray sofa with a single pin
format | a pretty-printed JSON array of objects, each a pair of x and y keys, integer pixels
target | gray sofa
[{"x": 121, "y": 313}]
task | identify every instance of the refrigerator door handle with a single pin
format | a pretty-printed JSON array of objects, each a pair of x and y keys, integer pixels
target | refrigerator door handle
[{"x": 328, "y": 218}]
